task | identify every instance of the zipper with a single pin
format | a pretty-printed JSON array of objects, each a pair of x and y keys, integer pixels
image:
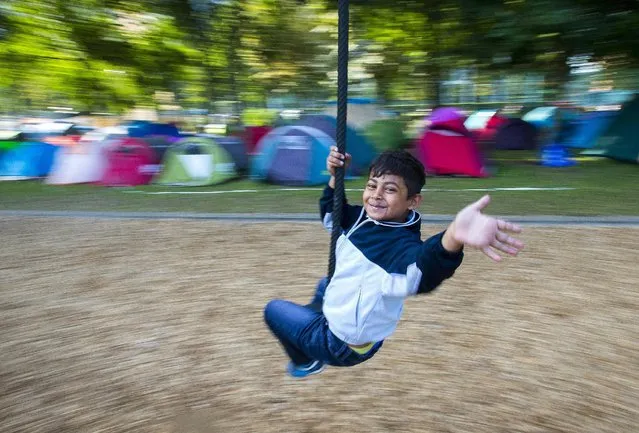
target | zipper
[{"x": 359, "y": 300}]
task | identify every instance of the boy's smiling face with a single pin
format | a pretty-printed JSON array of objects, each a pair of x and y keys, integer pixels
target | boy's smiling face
[{"x": 386, "y": 198}]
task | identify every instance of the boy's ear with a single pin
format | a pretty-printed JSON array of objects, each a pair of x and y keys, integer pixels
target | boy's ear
[{"x": 415, "y": 201}]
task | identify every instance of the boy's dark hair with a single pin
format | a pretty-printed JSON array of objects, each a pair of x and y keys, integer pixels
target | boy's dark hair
[{"x": 402, "y": 164}]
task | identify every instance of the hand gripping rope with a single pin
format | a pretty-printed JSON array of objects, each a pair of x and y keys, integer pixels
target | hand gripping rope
[{"x": 342, "y": 98}]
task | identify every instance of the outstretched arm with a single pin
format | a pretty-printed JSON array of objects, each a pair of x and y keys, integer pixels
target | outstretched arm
[{"x": 485, "y": 233}]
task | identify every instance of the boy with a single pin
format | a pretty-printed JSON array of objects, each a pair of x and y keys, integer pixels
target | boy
[{"x": 380, "y": 260}]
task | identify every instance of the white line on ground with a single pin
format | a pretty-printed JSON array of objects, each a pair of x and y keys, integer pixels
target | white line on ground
[
  {"x": 242, "y": 191},
  {"x": 529, "y": 220}
]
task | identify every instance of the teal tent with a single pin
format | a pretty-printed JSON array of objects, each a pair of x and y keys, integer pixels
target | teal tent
[{"x": 621, "y": 138}]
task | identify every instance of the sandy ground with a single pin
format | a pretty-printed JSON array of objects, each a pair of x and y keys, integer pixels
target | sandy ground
[{"x": 156, "y": 326}]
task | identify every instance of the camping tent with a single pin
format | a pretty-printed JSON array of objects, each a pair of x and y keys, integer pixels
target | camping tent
[
  {"x": 589, "y": 127},
  {"x": 105, "y": 134},
  {"x": 252, "y": 135},
  {"x": 87, "y": 161},
  {"x": 554, "y": 123},
  {"x": 236, "y": 147},
  {"x": 541, "y": 117},
  {"x": 84, "y": 163},
  {"x": 484, "y": 125},
  {"x": 479, "y": 119},
  {"x": 160, "y": 144},
  {"x": 142, "y": 128},
  {"x": 361, "y": 150},
  {"x": 129, "y": 162},
  {"x": 446, "y": 116},
  {"x": 197, "y": 161},
  {"x": 516, "y": 134},
  {"x": 9, "y": 140},
  {"x": 160, "y": 136},
  {"x": 619, "y": 141},
  {"x": 448, "y": 148},
  {"x": 292, "y": 155},
  {"x": 28, "y": 160},
  {"x": 62, "y": 140}
]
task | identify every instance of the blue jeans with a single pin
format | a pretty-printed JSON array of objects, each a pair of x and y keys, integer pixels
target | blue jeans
[{"x": 304, "y": 333}]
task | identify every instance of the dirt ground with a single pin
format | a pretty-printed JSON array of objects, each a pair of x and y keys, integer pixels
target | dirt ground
[{"x": 156, "y": 326}]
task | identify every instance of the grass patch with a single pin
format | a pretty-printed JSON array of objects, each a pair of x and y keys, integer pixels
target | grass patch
[{"x": 601, "y": 187}]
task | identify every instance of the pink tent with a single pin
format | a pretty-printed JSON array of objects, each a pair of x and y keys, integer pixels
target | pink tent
[
  {"x": 448, "y": 148},
  {"x": 252, "y": 135},
  {"x": 130, "y": 162},
  {"x": 489, "y": 131}
]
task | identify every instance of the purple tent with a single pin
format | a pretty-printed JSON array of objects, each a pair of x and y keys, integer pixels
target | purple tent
[
  {"x": 516, "y": 134},
  {"x": 445, "y": 114}
]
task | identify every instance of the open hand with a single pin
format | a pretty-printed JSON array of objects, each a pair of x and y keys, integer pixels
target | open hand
[{"x": 490, "y": 235}]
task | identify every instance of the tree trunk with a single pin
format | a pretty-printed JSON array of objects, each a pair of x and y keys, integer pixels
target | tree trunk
[
  {"x": 234, "y": 63},
  {"x": 434, "y": 84},
  {"x": 433, "y": 63}
]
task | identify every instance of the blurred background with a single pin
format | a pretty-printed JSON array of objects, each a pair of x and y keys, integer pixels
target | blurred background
[
  {"x": 197, "y": 92},
  {"x": 190, "y": 60}
]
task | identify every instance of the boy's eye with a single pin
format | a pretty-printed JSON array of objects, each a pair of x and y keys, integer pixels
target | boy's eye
[
  {"x": 391, "y": 190},
  {"x": 371, "y": 186}
]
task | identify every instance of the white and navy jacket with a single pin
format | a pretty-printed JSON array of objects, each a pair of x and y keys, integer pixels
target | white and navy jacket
[{"x": 378, "y": 265}]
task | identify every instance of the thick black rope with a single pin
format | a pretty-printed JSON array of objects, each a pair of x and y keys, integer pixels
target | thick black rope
[{"x": 340, "y": 136}]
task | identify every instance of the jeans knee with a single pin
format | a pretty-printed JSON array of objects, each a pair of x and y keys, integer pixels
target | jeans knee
[{"x": 271, "y": 311}]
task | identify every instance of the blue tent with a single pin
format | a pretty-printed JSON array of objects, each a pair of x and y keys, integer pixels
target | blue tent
[
  {"x": 160, "y": 136},
  {"x": 589, "y": 127},
  {"x": 542, "y": 117},
  {"x": 140, "y": 129},
  {"x": 28, "y": 160},
  {"x": 292, "y": 155},
  {"x": 361, "y": 150}
]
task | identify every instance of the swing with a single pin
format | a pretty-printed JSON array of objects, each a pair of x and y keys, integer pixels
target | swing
[
  {"x": 277, "y": 309},
  {"x": 340, "y": 135}
]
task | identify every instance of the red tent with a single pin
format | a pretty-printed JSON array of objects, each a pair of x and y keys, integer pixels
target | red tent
[
  {"x": 448, "y": 148},
  {"x": 488, "y": 133},
  {"x": 252, "y": 135},
  {"x": 130, "y": 162}
]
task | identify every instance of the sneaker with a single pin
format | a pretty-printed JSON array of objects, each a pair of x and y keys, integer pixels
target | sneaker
[{"x": 301, "y": 371}]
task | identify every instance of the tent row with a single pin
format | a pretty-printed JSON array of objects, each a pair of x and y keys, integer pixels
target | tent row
[
  {"x": 453, "y": 144},
  {"x": 559, "y": 126},
  {"x": 127, "y": 162},
  {"x": 295, "y": 153},
  {"x": 291, "y": 154}
]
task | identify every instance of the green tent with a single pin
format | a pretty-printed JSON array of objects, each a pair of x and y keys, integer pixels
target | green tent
[
  {"x": 10, "y": 140},
  {"x": 621, "y": 139},
  {"x": 196, "y": 161}
]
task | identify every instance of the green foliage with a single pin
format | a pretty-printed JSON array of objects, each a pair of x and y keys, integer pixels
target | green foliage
[
  {"x": 386, "y": 134},
  {"x": 258, "y": 117},
  {"x": 114, "y": 54}
]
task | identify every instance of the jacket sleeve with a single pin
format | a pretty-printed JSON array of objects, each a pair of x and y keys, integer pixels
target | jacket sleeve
[
  {"x": 350, "y": 213},
  {"x": 436, "y": 264}
]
